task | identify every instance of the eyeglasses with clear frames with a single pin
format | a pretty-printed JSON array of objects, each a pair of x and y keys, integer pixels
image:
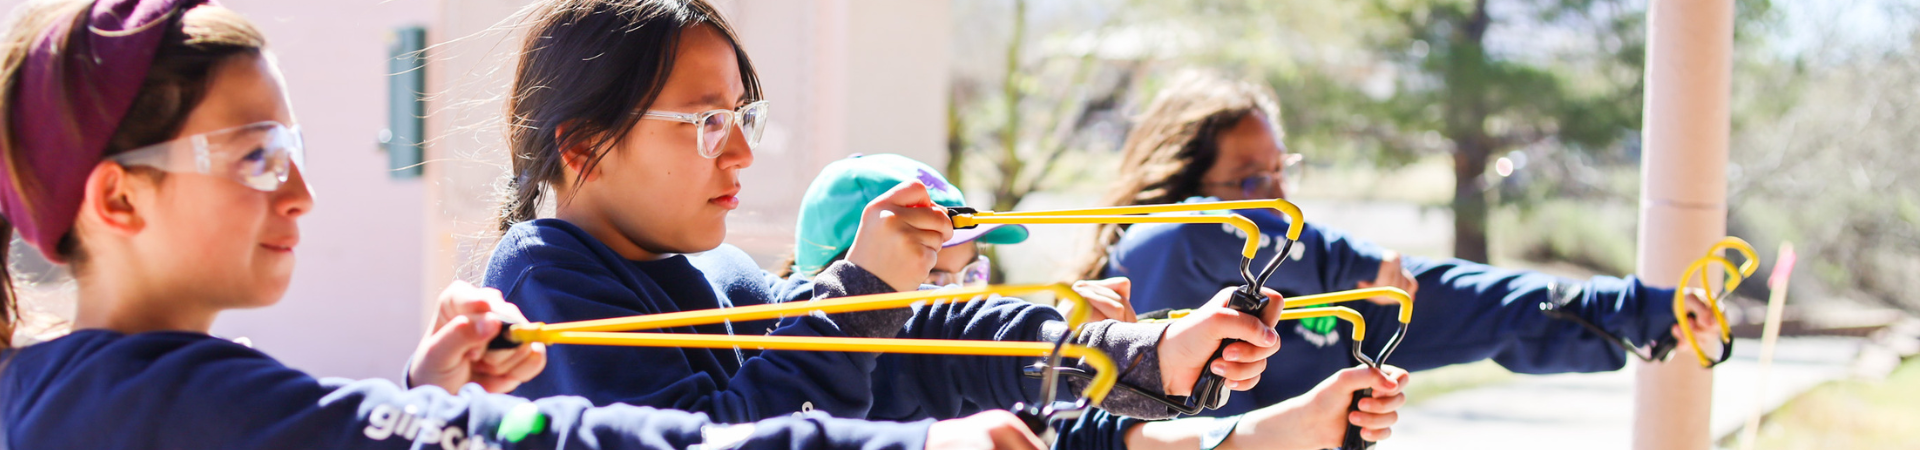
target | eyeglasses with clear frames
[
  {"x": 716, "y": 125},
  {"x": 1250, "y": 187},
  {"x": 975, "y": 274},
  {"x": 260, "y": 155}
]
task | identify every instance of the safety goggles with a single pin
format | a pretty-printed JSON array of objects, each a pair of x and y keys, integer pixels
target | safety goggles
[
  {"x": 714, "y": 126},
  {"x": 975, "y": 274},
  {"x": 259, "y": 155}
]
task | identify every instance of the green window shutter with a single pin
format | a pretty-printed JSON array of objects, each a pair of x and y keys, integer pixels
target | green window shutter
[{"x": 406, "y": 102}]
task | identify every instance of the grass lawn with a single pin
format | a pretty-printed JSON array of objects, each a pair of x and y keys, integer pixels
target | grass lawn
[
  {"x": 1459, "y": 377},
  {"x": 1847, "y": 414}
]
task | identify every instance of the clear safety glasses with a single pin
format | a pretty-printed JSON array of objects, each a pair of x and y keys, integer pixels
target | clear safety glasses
[
  {"x": 259, "y": 155},
  {"x": 716, "y": 125},
  {"x": 975, "y": 274}
]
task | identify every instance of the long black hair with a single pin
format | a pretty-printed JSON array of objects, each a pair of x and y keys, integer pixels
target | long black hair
[{"x": 589, "y": 68}]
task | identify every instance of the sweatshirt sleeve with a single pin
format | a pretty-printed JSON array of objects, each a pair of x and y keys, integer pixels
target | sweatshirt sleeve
[
  {"x": 1627, "y": 307},
  {"x": 1467, "y": 312},
  {"x": 1096, "y": 430},
  {"x": 843, "y": 279},
  {"x": 770, "y": 384},
  {"x": 1134, "y": 348},
  {"x": 216, "y": 394},
  {"x": 1176, "y": 266},
  {"x": 1346, "y": 260}
]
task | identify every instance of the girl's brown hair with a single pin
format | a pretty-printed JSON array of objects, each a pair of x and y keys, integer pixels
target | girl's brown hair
[
  {"x": 1172, "y": 145},
  {"x": 588, "y": 70},
  {"x": 203, "y": 38}
]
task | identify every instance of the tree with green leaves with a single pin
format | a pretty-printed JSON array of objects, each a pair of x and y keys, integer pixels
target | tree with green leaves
[{"x": 1484, "y": 101}]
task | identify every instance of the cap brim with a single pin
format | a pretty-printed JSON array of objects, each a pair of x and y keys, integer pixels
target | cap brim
[{"x": 995, "y": 233}]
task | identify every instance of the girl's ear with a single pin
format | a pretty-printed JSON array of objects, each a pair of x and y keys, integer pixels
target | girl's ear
[
  {"x": 109, "y": 200},
  {"x": 573, "y": 154}
]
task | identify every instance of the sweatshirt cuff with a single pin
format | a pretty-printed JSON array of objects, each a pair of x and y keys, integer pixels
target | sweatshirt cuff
[
  {"x": 1656, "y": 311},
  {"x": 844, "y": 279},
  {"x": 1135, "y": 349},
  {"x": 1625, "y": 307},
  {"x": 854, "y": 434}
]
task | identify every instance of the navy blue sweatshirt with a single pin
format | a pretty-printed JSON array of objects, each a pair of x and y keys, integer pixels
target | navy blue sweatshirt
[
  {"x": 1464, "y": 311},
  {"x": 556, "y": 272},
  {"x": 101, "y": 390}
]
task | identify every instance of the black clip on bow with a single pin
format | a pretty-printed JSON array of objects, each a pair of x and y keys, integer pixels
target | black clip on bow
[
  {"x": 1040, "y": 416},
  {"x": 504, "y": 340}
]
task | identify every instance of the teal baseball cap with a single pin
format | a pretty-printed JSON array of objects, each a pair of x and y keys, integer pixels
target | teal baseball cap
[{"x": 831, "y": 209}]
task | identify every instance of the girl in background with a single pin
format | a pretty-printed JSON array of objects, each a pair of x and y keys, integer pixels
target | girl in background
[{"x": 1208, "y": 138}]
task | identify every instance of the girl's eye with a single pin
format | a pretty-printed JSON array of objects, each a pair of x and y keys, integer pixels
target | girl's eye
[
  {"x": 716, "y": 123},
  {"x": 254, "y": 162}
]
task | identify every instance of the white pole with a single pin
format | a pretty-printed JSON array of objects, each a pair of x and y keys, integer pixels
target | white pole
[
  {"x": 1769, "y": 336},
  {"x": 1683, "y": 189}
]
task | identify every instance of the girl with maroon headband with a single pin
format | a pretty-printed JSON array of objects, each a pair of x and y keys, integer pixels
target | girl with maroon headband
[{"x": 148, "y": 145}]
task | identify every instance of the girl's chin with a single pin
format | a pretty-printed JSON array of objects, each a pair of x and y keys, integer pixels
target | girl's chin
[
  {"x": 708, "y": 238},
  {"x": 266, "y": 294},
  {"x": 273, "y": 292},
  {"x": 273, "y": 283},
  {"x": 262, "y": 303}
]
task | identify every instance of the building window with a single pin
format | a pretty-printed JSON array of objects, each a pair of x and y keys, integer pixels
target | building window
[{"x": 406, "y": 102}]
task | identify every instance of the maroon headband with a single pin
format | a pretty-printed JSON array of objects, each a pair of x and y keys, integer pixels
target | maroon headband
[{"x": 61, "y": 121}]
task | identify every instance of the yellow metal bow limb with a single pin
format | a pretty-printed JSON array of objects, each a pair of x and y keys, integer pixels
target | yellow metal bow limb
[
  {"x": 610, "y": 331},
  {"x": 1737, "y": 244},
  {"x": 1359, "y": 323},
  {"x": 1406, "y": 306},
  {"x": 1293, "y": 227},
  {"x": 1342, "y": 312},
  {"x": 1393, "y": 342},
  {"x": 1406, "y": 301},
  {"x": 1237, "y": 221},
  {"x": 1735, "y": 274},
  {"x": 829, "y": 306}
]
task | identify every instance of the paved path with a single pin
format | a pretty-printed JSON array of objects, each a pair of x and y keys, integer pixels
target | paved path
[{"x": 1595, "y": 411}]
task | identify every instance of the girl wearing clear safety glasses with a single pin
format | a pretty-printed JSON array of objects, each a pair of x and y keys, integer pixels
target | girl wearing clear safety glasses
[{"x": 635, "y": 120}]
